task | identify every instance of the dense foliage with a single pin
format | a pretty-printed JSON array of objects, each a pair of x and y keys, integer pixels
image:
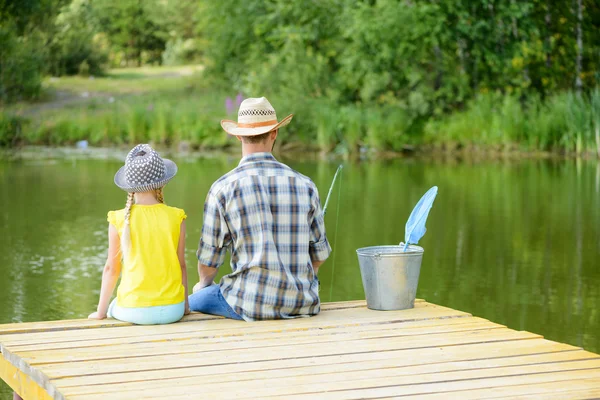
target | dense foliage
[
  {"x": 385, "y": 74},
  {"x": 425, "y": 56}
]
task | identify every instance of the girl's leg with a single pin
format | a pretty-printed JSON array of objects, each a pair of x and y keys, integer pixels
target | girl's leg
[{"x": 210, "y": 301}]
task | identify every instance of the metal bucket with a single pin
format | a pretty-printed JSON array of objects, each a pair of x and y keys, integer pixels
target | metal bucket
[{"x": 390, "y": 276}]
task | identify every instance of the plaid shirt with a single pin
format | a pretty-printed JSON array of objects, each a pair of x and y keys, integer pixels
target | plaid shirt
[{"x": 270, "y": 218}]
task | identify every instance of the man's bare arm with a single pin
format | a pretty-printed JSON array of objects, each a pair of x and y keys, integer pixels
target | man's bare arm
[
  {"x": 316, "y": 265},
  {"x": 207, "y": 276}
]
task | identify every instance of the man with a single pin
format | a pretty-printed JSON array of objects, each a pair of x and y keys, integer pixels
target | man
[{"x": 270, "y": 218}]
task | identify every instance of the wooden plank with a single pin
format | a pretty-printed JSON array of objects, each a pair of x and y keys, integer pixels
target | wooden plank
[
  {"x": 446, "y": 390},
  {"x": 44, "y": 373},
  {"x": 573, "y": 389},
  {"x": 416, "y": 359},
  {"x": 194, "y": 344},
  {"x": 334, "y": 318},
  {"x": 326, "y": 373},
  {"x": 404, "y": 386},
  {"x": 48, "y": 326},
  {"x": 79, "y": 324},
  {"x": 336, "y": 305},
  {"x": 559, "y": 387},
  {"x": 401, "y": 327},
  {"x": 278, "y": 349},
  {"x": 20, "y": 382},
  {"x": 318, "y": 385},
  {"x": 584, "y": 394},
  {"x": 74, "y": 324}
]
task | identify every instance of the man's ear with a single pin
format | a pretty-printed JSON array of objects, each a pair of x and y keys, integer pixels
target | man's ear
[{"x": 274, "y": 134}]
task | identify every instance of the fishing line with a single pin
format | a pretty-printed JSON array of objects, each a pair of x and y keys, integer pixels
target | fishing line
[{"x": 337, "y": 220}]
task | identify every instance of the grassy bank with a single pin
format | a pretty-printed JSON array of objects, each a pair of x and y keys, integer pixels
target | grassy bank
[
  {"x": 564, "y": 122},
  {"x": 173, "y": 106}
]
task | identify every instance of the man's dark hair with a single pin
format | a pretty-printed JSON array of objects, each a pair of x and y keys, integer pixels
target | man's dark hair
[{"x": 256, "y": 139}]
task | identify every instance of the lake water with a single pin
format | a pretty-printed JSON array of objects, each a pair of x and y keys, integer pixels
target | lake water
[{"x": 516, "y": 242}]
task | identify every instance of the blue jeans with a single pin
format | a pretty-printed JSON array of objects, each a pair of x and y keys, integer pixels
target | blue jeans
[
  {"x": 210, "y": 301},
  {"x": 155, "y": 315}
]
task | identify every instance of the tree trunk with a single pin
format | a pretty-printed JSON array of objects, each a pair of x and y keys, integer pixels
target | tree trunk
[
  {"x": 515, "y": 29},
  {"x": 598, "y": 140},
  {"x": 578, "y": 82},
  {"x": 438, "y": 61},
  {"x": 460, "y": 43},
  {"x": 548, "y": 20}
]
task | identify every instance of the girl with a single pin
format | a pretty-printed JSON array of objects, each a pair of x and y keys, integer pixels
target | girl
[{"x": 149, "y": 237}]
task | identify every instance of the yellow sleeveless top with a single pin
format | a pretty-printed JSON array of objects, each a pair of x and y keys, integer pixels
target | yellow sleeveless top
[{"x": 151, "y": 274}]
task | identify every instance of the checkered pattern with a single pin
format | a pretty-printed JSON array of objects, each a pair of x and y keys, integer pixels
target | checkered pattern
[
  {"x": 270, "y": 218},
  {"x": 244, "y": 113}
]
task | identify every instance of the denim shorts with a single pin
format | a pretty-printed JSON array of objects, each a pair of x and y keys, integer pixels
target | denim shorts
[
  {"x": 210, "y": 301},
  {"x": 155, "y": 315}
]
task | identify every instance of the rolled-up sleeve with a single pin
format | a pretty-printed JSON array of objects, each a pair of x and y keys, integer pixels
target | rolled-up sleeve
[
  {"x": 319, "y": 247},
  {"x": 215, "y": 234}
]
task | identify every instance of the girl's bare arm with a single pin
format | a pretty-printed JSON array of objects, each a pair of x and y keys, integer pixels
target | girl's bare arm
[
  {"x": 181, "y": 256},
  {"x": 110, "y": 275}
]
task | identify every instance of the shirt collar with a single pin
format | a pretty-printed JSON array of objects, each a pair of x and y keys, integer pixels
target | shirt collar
[{"x": 254, "y": 157}]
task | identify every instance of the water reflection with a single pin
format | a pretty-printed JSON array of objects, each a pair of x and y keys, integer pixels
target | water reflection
[{"x": 514, "y": 242}]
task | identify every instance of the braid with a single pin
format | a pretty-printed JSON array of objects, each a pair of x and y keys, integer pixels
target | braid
[
  {"x": 158, "y": 193},
  {"x": 126, "y": 236}
]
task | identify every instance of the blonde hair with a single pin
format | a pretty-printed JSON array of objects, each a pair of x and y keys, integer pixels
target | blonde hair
[
  {"x": 126, "y": 235},
  {"x": 158, "y": 193}
]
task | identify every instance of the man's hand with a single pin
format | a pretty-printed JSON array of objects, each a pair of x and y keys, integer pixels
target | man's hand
[{"x": 199, "y": 286}]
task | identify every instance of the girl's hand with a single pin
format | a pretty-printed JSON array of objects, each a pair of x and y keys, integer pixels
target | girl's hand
[{"x": 95, "y": 315}]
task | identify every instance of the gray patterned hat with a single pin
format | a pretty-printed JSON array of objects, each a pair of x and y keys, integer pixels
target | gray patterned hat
[{"x": 144, "y": 170}]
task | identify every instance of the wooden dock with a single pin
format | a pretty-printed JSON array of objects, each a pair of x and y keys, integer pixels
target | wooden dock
[{"x": 346, "y": 352}]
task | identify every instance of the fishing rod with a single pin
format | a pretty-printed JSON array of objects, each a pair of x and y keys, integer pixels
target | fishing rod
[
  {"x": 331, "y": 188},
  {"x": 337, "y": 172}
]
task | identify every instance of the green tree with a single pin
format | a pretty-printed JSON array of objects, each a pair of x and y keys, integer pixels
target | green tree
[
  {"x": 134, "y": 29},
  {"x": 23, "y": 38},
  {"x": 77, "y": 44},
  {"x": 181, "y": 19}
]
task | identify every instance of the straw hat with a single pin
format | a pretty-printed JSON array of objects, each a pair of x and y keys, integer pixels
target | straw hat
[
  {"x": 255, "y": 117},
  {"x": 144, "y": 170}
]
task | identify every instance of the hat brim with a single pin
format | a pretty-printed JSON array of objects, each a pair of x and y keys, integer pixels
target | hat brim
[
  {"x": 232, "y": 128},
  {"x": 170, "y": 171}
]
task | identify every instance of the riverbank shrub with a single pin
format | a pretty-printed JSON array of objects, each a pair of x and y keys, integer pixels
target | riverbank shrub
[
  {"x": 563, "y": 122},
  {"x": 11, "y": 128}
]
